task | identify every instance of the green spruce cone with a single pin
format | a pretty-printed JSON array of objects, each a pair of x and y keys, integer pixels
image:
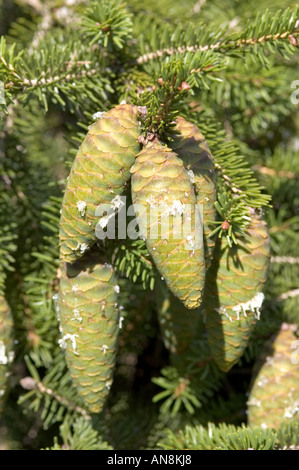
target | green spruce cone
[
  {"x": 99, "y": 175},
  {"x": 234, "y": 293},
  {"x": 169, "y": 220},
  {"x": 274, "y": 392},
  {"x": 89, "y": 320},
  {"x": 6, "y": 350},
  {"x": 191, "y": 147},
  {"x": 177, "y": 323}
]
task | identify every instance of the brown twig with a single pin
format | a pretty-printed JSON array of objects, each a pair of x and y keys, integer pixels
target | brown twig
[
  {"x": 284, "y": 259},
  {"x": 271, "y": 172},
  {"x": 29, "y": 383},
  {"x": 218, "y": 47},
  {"x": 287, "y": 295}
]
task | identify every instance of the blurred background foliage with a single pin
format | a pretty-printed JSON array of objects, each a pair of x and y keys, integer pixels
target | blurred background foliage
[{"x": 63, "y": 61}]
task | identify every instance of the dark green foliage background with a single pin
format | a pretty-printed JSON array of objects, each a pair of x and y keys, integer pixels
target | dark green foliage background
[{"x": 63, "y": 61}]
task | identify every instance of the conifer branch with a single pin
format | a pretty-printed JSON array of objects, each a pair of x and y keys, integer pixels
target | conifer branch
[
  {"x": 29, "y": 383},
  {"x": 223, "y": 46},
  {"x": 264, "y": 170},
  {"x": 287, "y": 295},
  {"x": 39, "y": 82},
  {"x": 218, "y": 47},
  {"x": 198, "y": 6},
  {"x": 174, "y": 50},
  {"x": 284, "y": 259},
  {"x": 35, "y": 4}
]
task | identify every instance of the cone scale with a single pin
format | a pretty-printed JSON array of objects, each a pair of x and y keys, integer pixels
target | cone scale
[
  {"x": 234, "y": 293},
  {"x": 169, "y": 220},
  {"x": 89, "y": 321},
  {"x": 99, "y": 175},
  {"x": 274, "y": 395}
]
